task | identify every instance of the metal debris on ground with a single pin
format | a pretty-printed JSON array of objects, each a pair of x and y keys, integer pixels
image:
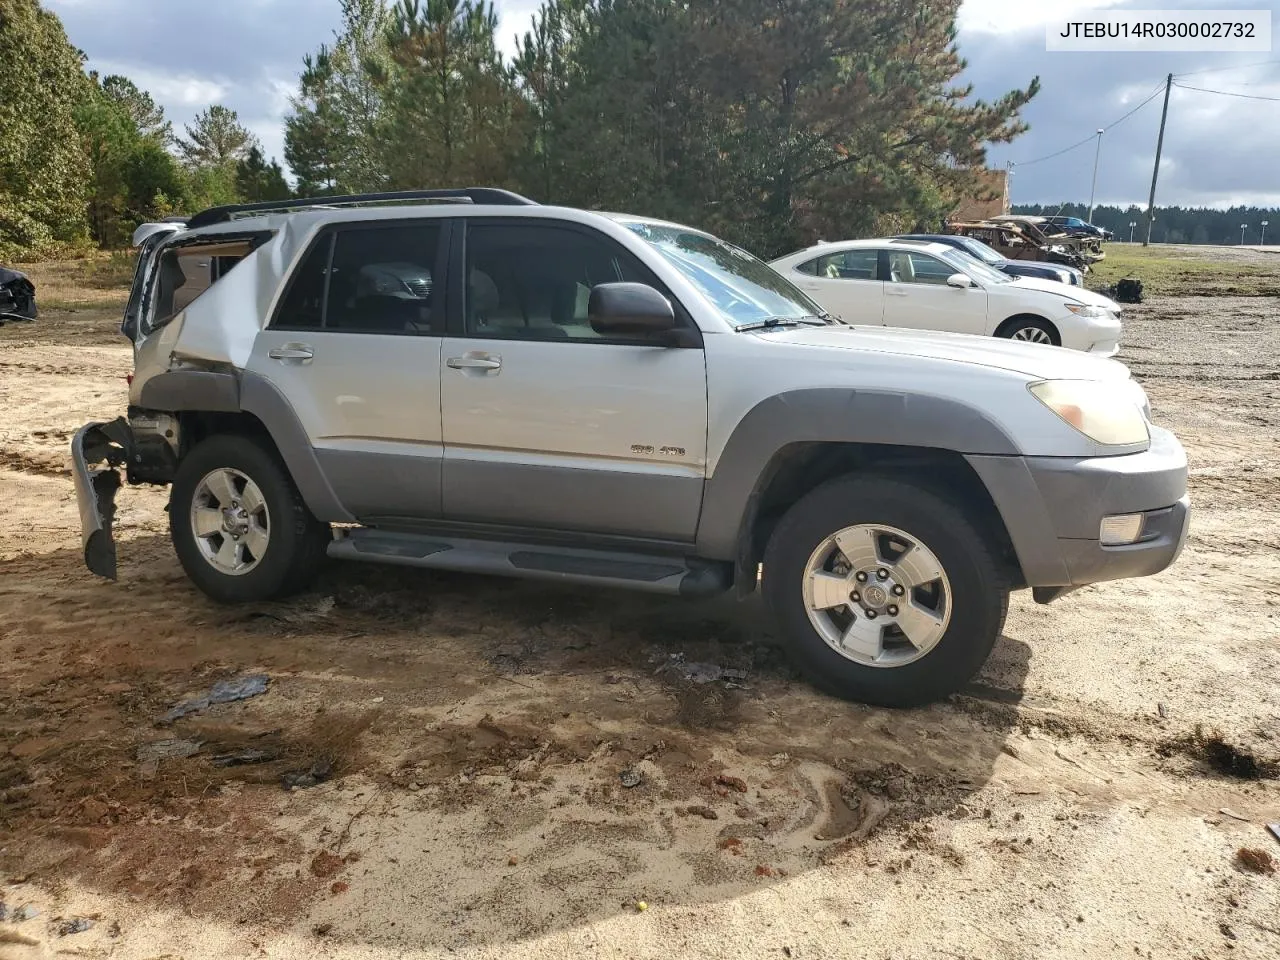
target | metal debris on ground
[
  {"x": 224, "y": 691},
  {"x": 244, "y": 757},
  {"x": 317, "y": 773},
  {"x": 701, "y": 673},
  {"x": 4, "y": 911},
  {"x": 24, "y": 913},
  {"x": 73, "y": 926},
  {"x": 1228, "y": 812},
  {"x": 630, "y": 778},
  {"x": 1274, "y": 830},
  {"x": 150, "y": 754},
  {"x": 1160, "y": 709}
]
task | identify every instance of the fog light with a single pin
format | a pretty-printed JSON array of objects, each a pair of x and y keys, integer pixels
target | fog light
[{"x": 1121, "y": 529}]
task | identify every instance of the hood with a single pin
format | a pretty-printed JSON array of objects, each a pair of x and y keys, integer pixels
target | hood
[
  {"x": 1033, "y": 360},
  {"x": 1070, "y": 291}
]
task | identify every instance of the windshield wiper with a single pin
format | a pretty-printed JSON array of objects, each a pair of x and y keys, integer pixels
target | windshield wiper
[{"x": 770, "y": 323}]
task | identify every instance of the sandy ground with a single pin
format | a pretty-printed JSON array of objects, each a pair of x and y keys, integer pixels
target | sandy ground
[{"x": 474, "y": 736}]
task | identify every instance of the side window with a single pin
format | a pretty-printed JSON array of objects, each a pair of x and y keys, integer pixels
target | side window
[
  {"x": 850, "y": 265},
  {"x": 303, "y": 306},
  {"x": 185, "y": 272},
  {"x": 367, "y": 280},
  {"x": 533, "y": 282},
  {"x": 910, "y": 267}
]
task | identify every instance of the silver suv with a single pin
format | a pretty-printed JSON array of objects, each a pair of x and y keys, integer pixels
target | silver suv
[{"x": 466, "y": 380}]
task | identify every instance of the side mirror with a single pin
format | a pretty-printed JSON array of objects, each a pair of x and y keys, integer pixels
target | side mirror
[
  {"x": 634, "y": 308},
  {"x": 959, "y": 280}
]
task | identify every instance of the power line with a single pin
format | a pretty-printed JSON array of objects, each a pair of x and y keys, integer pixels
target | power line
[
  {"x": 1226, "y": 93},
  {"x": 1089, "y": 139},
  {"x": 1239, "y": 66}
]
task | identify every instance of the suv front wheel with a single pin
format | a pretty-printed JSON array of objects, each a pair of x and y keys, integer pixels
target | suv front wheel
[
  {"x": 886, "y": 592},
  {"x": 238, "y": 524}
]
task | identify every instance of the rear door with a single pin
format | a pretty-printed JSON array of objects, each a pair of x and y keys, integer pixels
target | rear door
[
  {"x": 917, "y": 296},
  {"x": 848, "y": 284},
  {"x": 354, "y": 347}
]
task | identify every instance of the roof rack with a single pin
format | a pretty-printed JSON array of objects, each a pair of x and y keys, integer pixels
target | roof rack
[{"x": 477, "y": 195}]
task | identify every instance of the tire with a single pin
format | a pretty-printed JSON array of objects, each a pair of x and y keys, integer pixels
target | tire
[
  {"x": 273, "y": 522},
  {"x": 1030, "y": 329},
  {"x": 974, "y": 591}
]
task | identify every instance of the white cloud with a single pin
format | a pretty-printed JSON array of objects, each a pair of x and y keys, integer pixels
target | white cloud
[
  {"x": 1016, "y": 16},
  {"x": 168, "y": 88}
]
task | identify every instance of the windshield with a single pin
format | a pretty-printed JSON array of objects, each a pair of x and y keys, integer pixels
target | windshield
[
  {"x": 974, "y": 267},
  {"x": 979, "y": 250},
  {"x": 742, "y": 288}
]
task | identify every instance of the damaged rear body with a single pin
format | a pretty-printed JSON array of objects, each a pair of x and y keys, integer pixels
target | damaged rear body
[{"x": 190, "y": 342}]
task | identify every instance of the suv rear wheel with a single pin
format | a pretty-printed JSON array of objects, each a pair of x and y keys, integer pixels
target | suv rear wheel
[
  {"x": 238, "y": 524},
  {"x": 887, "y": 593}
]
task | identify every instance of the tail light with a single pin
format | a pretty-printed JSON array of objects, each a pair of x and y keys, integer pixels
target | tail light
[{"x": 129, "y": 379}]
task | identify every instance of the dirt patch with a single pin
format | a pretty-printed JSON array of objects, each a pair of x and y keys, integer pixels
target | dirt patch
[{"x": 1215, "y": 751}]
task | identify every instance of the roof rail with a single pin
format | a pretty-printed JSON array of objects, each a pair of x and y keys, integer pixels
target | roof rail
[{"x": 478, "y": 195}]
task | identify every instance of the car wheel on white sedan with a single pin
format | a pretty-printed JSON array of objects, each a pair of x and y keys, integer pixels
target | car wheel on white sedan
[{"x": 1030, "y": 330}]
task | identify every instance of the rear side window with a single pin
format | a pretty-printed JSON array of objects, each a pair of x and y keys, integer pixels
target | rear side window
[
  {"x": 849, "y": 265},
  {"x": 185, "y": 272},
  {"x": 367, "y": 280}
]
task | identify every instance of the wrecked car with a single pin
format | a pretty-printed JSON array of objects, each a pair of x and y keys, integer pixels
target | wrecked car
[
  {"x": 17, "y": 297},
  {"x": 470, "y": 381},
  {"x": 1019, "y": 240}
]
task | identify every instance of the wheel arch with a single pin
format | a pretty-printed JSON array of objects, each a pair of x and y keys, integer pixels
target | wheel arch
[
  {"x": 793, "y": 442},
  {"x": 261, "y": 413},
  {"x": 1009, "y": 323}
]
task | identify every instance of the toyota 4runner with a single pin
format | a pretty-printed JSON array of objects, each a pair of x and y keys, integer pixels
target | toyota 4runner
[{"x": 466, "y": 380}]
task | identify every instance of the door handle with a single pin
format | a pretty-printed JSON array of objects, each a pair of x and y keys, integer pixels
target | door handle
[
  {"x": 291, "y": 351},
  {"x": 474, "y": 363},
  {"x": 895, "y": 293}
]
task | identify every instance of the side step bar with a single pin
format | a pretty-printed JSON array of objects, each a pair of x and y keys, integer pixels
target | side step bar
[{"x": 628, "y": 571}]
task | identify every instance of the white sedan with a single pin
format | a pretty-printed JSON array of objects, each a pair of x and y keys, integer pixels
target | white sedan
[{"x": 932, "y": 286}]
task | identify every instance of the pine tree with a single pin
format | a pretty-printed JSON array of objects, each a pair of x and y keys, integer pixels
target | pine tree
[
  {"x": 258, "y": 181},
  {"x": 146, "y": 116},
  {"x": 217, "y": 139}
]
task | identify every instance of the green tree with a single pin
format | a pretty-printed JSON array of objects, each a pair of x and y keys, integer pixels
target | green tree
[
  {"x": 258, "y": 181},
  {"x": 450, "y": 100},
  {"x": 43, "y": 171},
  {"x": 217, "y": 139},
  {"x": 147, "y": 117},
  {"x": 314, "y": 134},
  {"x": 333, "y": 137}
]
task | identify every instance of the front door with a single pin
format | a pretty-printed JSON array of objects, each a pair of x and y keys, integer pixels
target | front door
[
  {"x": 917, "y": 295},
  {"x": 355, "y": 349},
  {"x": 848, "y": 284},
  {"x": 548, "y": 424}
]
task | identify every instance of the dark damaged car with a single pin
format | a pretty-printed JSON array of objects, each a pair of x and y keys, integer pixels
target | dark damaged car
[{"x": 17, "y": 297}]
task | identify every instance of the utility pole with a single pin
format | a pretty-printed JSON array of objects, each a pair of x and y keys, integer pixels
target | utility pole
[
  {"x": 1151, "y": 203},
  {"x": 1094, "y": 189}
]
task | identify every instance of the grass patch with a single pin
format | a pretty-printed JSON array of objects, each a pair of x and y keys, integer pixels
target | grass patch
[
  {"x": 101, "y": 280},
  {"x": 1173, "y": 271}
]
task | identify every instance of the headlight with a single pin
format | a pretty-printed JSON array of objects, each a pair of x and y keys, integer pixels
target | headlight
[
  {"x": 1110, "y": 413},
  {"x": 1088, "y": 311}
]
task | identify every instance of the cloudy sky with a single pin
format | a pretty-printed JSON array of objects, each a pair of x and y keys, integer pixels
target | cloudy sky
[{"x": 1219, "y": 150}]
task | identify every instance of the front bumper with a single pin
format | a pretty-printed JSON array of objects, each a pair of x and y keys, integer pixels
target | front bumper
[
  {"x": 97, "y": 450},
  {"x": 1053, "y": 507}
]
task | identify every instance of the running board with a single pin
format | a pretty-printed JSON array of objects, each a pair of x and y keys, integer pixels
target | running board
[{"x": 628, "y": 571}]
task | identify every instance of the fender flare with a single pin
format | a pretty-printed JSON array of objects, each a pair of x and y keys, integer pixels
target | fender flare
[{"x": 762, "y": 437}]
